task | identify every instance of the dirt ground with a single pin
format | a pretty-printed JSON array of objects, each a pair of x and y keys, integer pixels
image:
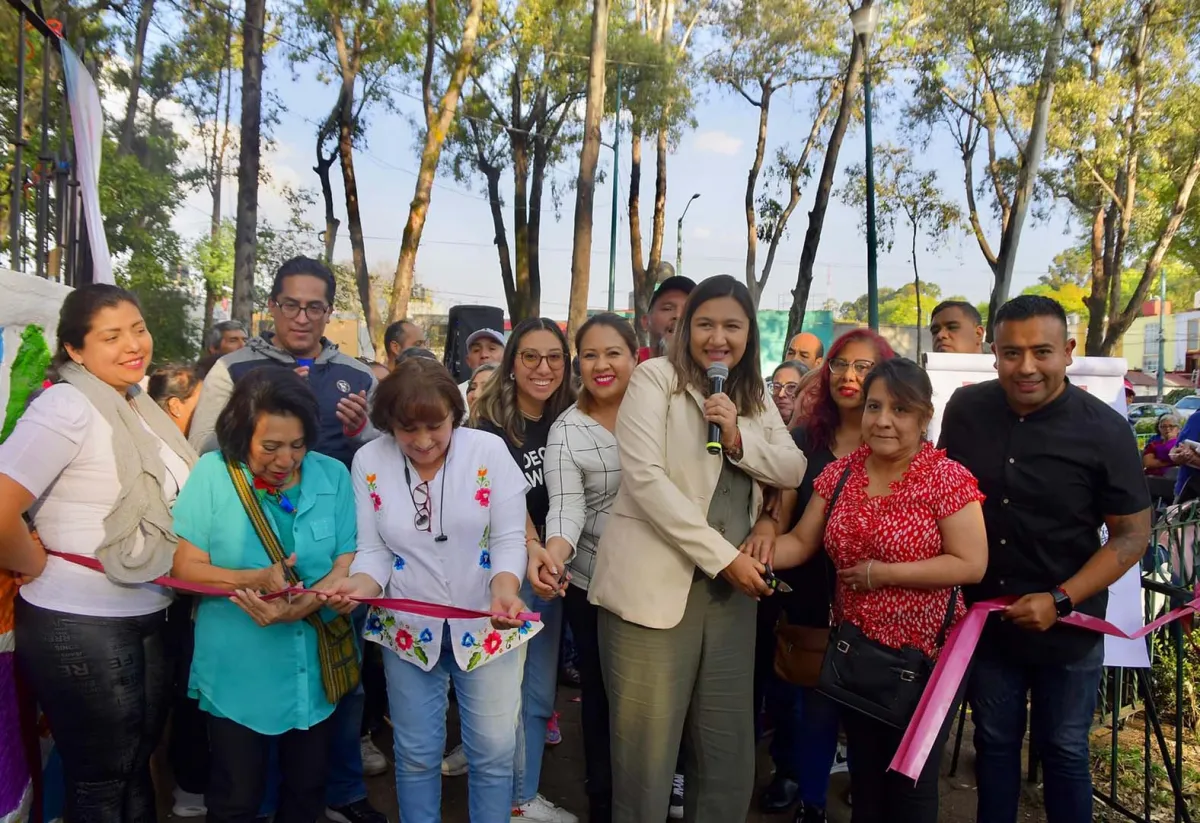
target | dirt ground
[{"x": 562, "y": 782}]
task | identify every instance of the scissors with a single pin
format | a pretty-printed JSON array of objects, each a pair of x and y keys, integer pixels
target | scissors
[{"x": 775, "y": 583}]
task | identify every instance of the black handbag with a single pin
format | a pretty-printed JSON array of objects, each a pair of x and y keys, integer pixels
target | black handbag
[{"x": 881, "y": 682}]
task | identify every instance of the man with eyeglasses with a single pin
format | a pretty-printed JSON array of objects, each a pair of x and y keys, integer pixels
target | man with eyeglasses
[{"x": 301, "y": 302}]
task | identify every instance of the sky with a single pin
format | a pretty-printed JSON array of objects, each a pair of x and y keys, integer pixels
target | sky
[{"x": 458, "y": 260}]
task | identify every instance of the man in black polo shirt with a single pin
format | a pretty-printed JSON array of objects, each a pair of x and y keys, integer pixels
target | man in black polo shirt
[{"x": 1055, "y": 463}]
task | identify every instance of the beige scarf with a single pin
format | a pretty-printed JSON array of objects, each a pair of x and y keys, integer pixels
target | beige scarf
[{"x": 140, "y": 510}]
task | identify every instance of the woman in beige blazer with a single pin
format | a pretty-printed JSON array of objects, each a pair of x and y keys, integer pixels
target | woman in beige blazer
[{"x": 677, "y": 596}]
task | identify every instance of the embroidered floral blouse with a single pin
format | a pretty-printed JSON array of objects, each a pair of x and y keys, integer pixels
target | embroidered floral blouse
[
  {"x": 901, "y": 527},
  {"x": 478, "y": 501}
]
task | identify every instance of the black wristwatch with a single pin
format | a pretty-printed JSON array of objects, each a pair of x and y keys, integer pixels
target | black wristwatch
[{"x": 1062, "y": 601}]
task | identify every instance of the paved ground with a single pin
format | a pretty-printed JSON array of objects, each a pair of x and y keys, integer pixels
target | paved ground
[{"x": 562, "y": 782}]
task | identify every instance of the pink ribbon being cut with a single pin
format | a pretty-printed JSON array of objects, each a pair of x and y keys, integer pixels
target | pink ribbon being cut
[
  {"x": 951, "y": 667},
  {"x": 434, "y": 610}
]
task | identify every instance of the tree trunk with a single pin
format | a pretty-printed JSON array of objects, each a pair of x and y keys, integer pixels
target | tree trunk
[
  {"x": 643, "y": 286},
  {"x": 585, "y": 185},
  {"x": 917, "y": 282},
  {"x": 437, "y": 125},
  {"x": 816, "y": 217},
  {"x": 324, "y": 164},
  {"x": 358, "y": 248},
  {"x": 760, "y": 151},
  {"x": 492, "y": 173},
  {"x": 1031, "y": 158},
  {"x": 660, "y": 204},
  {"x": 246, "y": 242},
  {"x": 520, "y": 157},
  {"x": 125, "y": 143}
]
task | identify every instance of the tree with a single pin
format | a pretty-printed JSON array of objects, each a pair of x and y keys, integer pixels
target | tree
[
  {"x": 1127, "y": 145},
  {"x": 361, "y": 46},
  {"x": 145, "y": 12},
  {"x": 438, "y": 121},
  {"x": 904, "y": 306},
  {"x": 905, "y": 193},
  {"x": 249, "y": 159},
  {"x": 987, "y": 73},
  {"x": 655, "y": 44},
  {"x": 772, "y": 46},
  {"x": 585, "y": 184},
  {"x": 519, "y": 113}
]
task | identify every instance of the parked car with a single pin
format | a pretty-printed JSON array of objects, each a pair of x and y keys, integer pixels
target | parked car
[
  {"x": 1187, "y": 406},
  {"x": 1144, "y": 419}
]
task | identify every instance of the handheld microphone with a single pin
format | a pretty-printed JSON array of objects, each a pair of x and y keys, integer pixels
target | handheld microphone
[{"x": 718, "y": 373}]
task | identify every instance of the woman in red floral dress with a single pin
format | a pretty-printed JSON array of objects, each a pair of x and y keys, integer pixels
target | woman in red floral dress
[{"x": 907, "y": 529}]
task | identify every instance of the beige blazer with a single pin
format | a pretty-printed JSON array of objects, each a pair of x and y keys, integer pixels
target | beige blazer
[{"x": 658, "y": 532}]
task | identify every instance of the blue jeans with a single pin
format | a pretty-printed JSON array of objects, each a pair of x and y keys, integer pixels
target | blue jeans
[
  {"x": 537, "y": 695},
  {"x": 488, "y": 702},
  {"x": 1063, "y": 701},
  {"x": 806, "y": 735},
  {"x": 345, "y": 783}
]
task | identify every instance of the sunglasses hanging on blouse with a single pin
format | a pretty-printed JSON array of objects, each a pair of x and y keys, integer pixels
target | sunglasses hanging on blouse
[{"x": 423, "y": 503}]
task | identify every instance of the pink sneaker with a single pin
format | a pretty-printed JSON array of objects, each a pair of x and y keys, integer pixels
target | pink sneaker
[{"x": 553, "y": 733}]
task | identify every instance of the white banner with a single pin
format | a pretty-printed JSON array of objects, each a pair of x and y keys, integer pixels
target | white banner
[
  {"x": 1103, "y": 377},
  {"x": 87, "y": 121}
]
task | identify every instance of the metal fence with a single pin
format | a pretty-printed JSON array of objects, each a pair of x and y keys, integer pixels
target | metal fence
[{"x": 43, "y": 219}]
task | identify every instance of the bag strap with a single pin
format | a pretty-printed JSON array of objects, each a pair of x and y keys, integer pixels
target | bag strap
[
  {"x": 837, "y": 492},
  {"x": 945, "y": 629},
  {"x": 258, "y": 519},
  {"x": 831, "y": 573}
]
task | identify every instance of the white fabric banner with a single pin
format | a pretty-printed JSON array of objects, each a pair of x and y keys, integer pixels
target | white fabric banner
[
  {"x": 87, "y": 121},
  {"x": 1105, "y": 378}
]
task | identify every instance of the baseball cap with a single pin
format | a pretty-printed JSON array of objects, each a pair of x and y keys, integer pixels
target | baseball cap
[
  {"x": 482, "y": 333},
  {"x": 676, "y": 282}
]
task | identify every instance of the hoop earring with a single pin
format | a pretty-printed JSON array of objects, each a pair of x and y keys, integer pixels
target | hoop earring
[{"x": 512, "y": 376}]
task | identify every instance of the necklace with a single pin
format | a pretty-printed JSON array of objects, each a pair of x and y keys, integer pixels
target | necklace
[{"x": 274, "y": 494}]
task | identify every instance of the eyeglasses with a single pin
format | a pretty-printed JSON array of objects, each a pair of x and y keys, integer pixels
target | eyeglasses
[
  {"x": 861, "y": 367},
  {"x": 784, "y": 389},
  {"x": 532, "y": 359},
  {"x": 290, "y": 309},
  {"x": 423, "y": 519}
]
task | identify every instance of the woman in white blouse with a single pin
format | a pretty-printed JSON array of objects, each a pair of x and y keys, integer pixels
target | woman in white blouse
[
  {"x": 97, "y": 464},
  {"x": 441, "y": 519},
  {"x": 583, "y": 473}
]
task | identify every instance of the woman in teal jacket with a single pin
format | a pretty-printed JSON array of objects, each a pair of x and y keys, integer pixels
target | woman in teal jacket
[{"x": 259, "y": 671}]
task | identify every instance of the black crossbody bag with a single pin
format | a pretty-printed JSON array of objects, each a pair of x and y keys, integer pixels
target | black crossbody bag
[{"x": 881, "y": 682}]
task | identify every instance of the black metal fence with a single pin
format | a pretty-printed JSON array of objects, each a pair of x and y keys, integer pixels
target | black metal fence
[{"x": 43, "y": 219}]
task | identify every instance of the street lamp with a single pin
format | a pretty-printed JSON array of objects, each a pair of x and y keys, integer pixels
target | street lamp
[
  {"x": 863, "y": 20},
  {"x": 679, "y": 236}
]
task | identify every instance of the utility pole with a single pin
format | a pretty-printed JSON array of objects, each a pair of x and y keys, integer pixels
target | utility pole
[
  {"x": 679, "y": 236},
  {"x": 863, "y": 21},
  {"x": 1162, "y": 330}
]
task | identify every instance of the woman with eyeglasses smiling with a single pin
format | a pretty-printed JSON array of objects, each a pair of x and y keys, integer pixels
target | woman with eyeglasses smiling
[
  {"x": 785, "y": 387},
  {"x": 441, "y": 519},
  {"x": 519, "y": 405}
]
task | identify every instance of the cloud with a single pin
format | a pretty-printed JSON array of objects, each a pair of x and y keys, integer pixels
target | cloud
[{"x": 718, "y": 142}]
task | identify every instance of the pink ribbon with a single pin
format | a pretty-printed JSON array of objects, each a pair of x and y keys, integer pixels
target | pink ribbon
[
  {"x": 951, "y": 667},
  {"x": 435, "y": 610}
]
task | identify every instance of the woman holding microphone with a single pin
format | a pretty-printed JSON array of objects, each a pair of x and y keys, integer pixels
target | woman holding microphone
[{"x": 676, "y": 597}]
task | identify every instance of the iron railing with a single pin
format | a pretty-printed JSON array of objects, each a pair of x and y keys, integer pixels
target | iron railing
[
  {"x": 44, "y": 222},
  {"x": 1147, "y": 767}
]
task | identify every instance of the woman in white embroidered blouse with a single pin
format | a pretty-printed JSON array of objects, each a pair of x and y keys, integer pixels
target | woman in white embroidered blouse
[
  {"x": 583, "y": 473},
  {"x": 441, "y": 519}
]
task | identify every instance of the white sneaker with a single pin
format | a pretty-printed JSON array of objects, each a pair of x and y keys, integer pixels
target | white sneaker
[
  {"x": 541, "y": 810},
  {"x": 840, "y": 765},
  {"x": 373, "y": 760},
  {"x": 455, "y": 763},
  {"x": 188, "y": 804},
  {"x": 675, "y": 810}
]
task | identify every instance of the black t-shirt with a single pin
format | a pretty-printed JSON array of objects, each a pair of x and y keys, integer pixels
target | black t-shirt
[
  {"x": 1050, "y": 478},
  {"x": 812, "y": 582},
  {"x": 529, "y": 456}
]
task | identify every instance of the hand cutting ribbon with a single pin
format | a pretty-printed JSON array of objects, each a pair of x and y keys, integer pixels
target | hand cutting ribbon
[
  {"x": 434, "y": 610},
  {"x": 954, "y": 659}
]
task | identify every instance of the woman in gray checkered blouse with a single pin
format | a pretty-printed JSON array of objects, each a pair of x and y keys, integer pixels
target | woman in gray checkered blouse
[{"x": 582, "y": 476}]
